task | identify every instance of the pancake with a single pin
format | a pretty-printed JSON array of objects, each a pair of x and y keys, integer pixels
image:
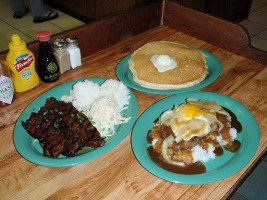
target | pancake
[{"x": 191, "y": 66}]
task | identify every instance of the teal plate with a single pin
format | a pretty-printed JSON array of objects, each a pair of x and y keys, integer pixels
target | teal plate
[
  {"x": 30, "y": 149},
  {"x": 217, "y": 169},
  {"x": 214, "y": 70}
]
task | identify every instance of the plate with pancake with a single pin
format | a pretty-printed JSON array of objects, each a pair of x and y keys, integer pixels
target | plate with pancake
[
  {"x": 124, "y": 72},
  {"x": 219, "y": 167}
]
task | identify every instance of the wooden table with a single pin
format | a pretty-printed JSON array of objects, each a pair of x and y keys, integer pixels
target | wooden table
[{"x": 117, "y": 174}]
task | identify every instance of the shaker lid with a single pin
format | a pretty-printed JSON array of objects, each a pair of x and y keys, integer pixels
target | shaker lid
[
  {"x": 71, "y": 39},
  {"x": 59, "y": 44},
  {"x": 43, "y": 35}
]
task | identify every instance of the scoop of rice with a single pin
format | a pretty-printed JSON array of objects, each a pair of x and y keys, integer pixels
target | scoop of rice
[
  {"x": 232, "y": 132},
  {"x": 83, "y": 94},
  {"x": 200, "y": 154},
  {"x": 117, "y": 90}
]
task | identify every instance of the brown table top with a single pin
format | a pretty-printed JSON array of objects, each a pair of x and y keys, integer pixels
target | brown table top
[{"x": 117, "y": 174}]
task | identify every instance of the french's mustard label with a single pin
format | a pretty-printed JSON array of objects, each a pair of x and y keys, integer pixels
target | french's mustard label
[{"x": 23, "y": 62}]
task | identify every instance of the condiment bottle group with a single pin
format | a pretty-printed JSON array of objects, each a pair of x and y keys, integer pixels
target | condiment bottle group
[
  {"x": 21, "y": 62},
  {"x": 47, "y": 67}
]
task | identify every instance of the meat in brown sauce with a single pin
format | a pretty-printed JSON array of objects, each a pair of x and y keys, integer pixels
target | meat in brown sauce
[{"x": 62, "y": 129}]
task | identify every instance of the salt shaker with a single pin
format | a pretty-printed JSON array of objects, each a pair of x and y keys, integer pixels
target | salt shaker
[
  {"x": 74, "y": 51},
  {"x": 61, "y": 55}
]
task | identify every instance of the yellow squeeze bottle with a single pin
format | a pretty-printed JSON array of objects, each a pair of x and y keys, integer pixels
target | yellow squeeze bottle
[{"x": 21, "y": 62}]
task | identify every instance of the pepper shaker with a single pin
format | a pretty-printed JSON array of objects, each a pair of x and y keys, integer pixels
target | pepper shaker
[{"x": 61, "y": 55}]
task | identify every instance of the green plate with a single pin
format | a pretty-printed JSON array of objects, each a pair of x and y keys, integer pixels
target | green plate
[
  {"x": 214, "y": 70},
  {"x": 30, "y": 149},
  {"x": 217, "y": 169}
]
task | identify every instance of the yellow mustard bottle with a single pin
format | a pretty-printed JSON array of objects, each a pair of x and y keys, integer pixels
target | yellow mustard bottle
[{"x": 21, "y": 63}]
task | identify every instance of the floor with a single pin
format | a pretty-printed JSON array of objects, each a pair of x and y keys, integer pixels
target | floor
[
  {"x": 255, "y": 186},
  {"x": 256, "y": 24},
  {"x": 25, "y": 26}
]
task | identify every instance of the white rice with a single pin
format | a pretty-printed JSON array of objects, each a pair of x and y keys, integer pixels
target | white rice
[
  {"x": 117, "y": 90},
  {"x": 101, "y": 104},
  {"x": 200, "y": 154},
  {"x": 154, "y": 141},
  {"x": 220, "y": 140},
  {"x": 83, "y": 94},
  {"x": 233, "y": 133}
]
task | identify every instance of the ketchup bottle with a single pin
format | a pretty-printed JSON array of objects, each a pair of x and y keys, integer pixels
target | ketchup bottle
[{"x": 47, "y": 67}]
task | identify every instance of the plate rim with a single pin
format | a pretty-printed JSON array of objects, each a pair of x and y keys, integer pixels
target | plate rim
[
  {"x": 79, "y": 159},
  {"x": 123, "y": 68},
  {"x": 198, "y": 178}
]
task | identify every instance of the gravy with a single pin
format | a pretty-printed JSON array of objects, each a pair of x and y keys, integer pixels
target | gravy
[
  {"x": 233, "y": 146},
  {"x": 235, "y": 123},
  {"x": 196, "y": 168}
]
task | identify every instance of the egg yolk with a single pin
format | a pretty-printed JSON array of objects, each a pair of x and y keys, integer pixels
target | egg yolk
[{"x": 193, "y": 111}]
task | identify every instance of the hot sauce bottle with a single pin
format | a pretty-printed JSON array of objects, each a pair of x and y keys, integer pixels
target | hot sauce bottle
[
  {"x": 47, "y": 67},
  {"x": 6, "y": 86}
]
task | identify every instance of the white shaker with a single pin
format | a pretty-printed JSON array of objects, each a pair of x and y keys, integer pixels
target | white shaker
[{"x": 74, "y": 51}]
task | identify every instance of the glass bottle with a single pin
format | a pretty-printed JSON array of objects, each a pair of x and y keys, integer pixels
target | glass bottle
[
  {"x": 47, "y": 67},
  {"x": 6, "y": 86},
  {"x": 61, "y": 55},
  {"x": 74, "y": 51}
]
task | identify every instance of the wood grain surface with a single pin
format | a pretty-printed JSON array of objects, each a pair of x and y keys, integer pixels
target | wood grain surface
[
  {"x": 117, "y": 174},
  {"x": 216, "y": 31}
]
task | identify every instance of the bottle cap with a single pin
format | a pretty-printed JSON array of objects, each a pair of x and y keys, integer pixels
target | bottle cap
[
  {"x": 43, "y": 35},
  {"x": 16, "y": 43},
  {"x": 59, "y": 44}
]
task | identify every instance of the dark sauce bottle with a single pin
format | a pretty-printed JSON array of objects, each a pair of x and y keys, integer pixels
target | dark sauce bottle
[{"x": 47, "y": 67}]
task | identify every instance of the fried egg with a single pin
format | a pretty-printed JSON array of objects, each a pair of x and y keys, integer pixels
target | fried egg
[
  {"x": 196, "y": 131},
  {"x": 189, "y": 120}
]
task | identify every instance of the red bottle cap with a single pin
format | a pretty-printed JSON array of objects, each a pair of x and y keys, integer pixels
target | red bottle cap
[{"x": 43, "y": 35}]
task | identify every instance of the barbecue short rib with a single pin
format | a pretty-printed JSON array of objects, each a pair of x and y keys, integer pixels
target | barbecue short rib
[{"x": 62, "y": 129}]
